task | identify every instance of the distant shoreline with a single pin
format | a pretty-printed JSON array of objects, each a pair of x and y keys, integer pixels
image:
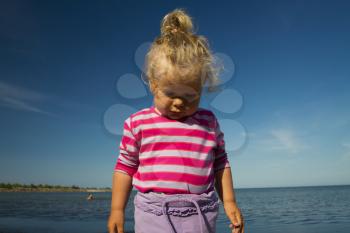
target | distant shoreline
[
  {"x": 8, "y": 187},
  {"x": 3, "y": 190},
  {"x": 50, "y": 188}
]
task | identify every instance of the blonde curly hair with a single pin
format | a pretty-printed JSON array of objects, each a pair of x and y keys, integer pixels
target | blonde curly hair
[{"x": 179, "y": 53}]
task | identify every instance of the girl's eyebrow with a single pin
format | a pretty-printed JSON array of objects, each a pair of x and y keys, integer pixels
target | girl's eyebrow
[{"x": 173, "y": 92}]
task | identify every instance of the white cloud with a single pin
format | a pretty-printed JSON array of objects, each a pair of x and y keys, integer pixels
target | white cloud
[
  {"x": 345, "y": 157},
  {"x": 284, "y": 140},
  {"x": 7, "y": 90},
  {"x": 346, "y": 145},
  {"x": 20, "y": 105},
  {"x": 21, "y": 99}
]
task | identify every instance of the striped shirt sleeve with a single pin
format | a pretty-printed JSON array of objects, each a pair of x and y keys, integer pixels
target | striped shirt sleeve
[
  {"x": 128, "y": 160},
  {"x": 220, "y": 155}
]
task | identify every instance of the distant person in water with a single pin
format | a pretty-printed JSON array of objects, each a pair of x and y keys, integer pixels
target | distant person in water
[{"x": 90, "y": 197}]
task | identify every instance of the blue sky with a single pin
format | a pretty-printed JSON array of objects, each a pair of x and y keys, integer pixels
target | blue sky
[{"x": 64, "y": 66}]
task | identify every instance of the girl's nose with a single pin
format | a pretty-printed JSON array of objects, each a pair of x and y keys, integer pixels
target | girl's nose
[{"x": 178, "y": 103}]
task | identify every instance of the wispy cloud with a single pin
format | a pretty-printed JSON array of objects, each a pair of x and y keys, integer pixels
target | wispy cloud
[
  {"x": 345, "y": 157},
  {"x": 346, "y": 145},
  {"x": 284, "y": 140},
  {"x": 22, "y": 99}
]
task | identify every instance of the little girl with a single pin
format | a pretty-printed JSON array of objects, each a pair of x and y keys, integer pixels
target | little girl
[{"x": 173, "y": 153}]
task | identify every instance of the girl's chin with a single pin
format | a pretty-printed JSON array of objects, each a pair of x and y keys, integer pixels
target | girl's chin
[{"x": 175, "y": 116}]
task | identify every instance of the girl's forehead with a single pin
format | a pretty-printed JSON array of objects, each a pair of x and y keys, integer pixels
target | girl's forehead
[{"x": 180, "y": 85}]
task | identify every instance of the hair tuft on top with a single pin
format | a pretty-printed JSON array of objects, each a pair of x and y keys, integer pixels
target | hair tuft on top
[
  {"x": 179, "y": 52},
  {"x": 176, "y": 21}
]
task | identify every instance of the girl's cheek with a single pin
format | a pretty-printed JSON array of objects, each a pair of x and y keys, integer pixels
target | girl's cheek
[
  {"x": 167, "y": 102},
  {"x": 164, "y": 104}
]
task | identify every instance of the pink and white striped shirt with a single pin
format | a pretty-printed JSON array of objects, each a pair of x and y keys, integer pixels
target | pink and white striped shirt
[{"x": 172, "y": 156}]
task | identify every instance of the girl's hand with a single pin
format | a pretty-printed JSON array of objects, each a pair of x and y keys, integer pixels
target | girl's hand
[
  {"x": 235, "y": 216},
  {"x": 116, "y": 222}
]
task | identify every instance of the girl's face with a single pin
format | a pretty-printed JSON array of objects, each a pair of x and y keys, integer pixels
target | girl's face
[{"x": 176, "y": 100}]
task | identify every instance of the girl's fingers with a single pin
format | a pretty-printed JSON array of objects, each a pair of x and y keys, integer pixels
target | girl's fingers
[
  {"x": 237, "y": 228},
  {"x": 237, "y": 222}
]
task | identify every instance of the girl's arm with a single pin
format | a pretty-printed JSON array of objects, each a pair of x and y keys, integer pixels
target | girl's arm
[
  {"x": 121, "y": 187},
  {"x": 224, "y": 185},
  {"x": 224, "y": 188}
]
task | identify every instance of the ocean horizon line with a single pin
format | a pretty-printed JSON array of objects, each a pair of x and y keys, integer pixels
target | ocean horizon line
[
  {"x": 294, "y": 186},
  {"x": 109, "y": 189}
]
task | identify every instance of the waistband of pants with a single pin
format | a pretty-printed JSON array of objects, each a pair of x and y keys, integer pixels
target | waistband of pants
[{"x": 177, "y": 204}]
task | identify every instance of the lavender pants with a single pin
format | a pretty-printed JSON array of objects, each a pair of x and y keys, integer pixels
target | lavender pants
[{"x": 176, "y": 213}]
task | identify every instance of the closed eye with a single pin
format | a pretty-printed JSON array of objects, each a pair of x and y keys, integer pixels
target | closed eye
[
  {"x": 187, "y": 96},
  {"x": 169, "y": 94},
  {"x": 190, "y": 96}
]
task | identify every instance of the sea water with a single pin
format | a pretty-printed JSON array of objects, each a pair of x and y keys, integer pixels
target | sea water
[{"x": 266, "y": 210}]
